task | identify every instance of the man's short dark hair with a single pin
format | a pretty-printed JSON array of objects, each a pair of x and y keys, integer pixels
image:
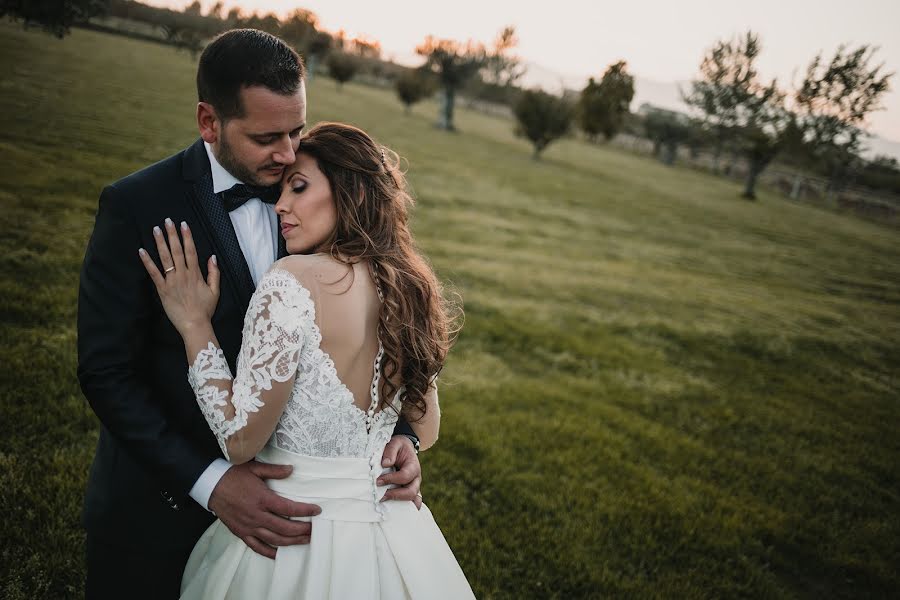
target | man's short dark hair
[{"x": 246, "y": 57}]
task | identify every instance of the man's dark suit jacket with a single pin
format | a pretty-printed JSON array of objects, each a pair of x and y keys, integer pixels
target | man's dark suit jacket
[{"x": 154, "y": 442}]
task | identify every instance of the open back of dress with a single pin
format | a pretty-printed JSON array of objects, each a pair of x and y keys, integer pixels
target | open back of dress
[{"x": 347, "y": 305}]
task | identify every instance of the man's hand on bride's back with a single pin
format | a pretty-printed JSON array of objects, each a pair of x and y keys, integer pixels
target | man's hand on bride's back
[
  {"x": 187, "y": 298},
  {"x": 255, "y": 513},
  {"x": 400, "y": 454}
]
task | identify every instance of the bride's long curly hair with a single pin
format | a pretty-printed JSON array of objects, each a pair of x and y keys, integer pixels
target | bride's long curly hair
[{"x": 416, "y": 323}]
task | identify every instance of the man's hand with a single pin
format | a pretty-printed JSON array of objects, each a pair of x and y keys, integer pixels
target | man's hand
[
  {"x": 255, "y": 513},
  {"x": 401, "y": 454}
]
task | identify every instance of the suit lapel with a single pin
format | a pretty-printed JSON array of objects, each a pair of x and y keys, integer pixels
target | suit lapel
[{"x": 217, "y": 224}]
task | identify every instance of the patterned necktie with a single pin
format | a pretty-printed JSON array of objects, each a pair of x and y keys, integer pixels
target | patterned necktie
[{"x": 240, "y": 193}]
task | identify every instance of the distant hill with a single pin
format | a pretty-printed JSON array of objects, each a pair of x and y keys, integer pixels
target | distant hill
[{"x": 878, "y": 145}]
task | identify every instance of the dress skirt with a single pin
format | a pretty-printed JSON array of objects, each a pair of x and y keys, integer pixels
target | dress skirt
[{"x": 360, "y": 548}]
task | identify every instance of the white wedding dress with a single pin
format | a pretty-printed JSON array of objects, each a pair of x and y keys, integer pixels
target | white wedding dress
[{"x": 288, "y": 400}]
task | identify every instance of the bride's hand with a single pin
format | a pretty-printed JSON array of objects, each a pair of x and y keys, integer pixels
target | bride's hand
[{"x": 188, "y": 300}]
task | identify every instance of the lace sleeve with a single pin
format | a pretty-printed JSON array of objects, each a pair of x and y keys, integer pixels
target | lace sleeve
[{"x": 275, "y": 327}]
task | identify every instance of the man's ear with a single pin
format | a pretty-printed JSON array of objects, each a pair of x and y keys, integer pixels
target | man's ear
[{"x": 208, "y": 122}]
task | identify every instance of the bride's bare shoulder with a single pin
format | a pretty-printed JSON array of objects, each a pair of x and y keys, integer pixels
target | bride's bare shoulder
[{"x": 313, "y": 270}]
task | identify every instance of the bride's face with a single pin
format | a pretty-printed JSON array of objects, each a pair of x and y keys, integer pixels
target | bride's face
[{"x": 306, "y": 206}]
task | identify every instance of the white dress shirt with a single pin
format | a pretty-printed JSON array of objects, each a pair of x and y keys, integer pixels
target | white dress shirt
[{"x": 256, "y": 227}]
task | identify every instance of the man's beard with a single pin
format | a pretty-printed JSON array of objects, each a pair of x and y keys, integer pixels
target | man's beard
[{"x": 228, "y": 160}]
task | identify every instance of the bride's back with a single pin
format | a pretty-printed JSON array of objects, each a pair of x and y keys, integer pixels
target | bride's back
[{"x": 347, "y": 307}]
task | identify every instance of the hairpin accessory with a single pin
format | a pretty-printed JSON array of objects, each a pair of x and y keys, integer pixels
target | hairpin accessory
[{"x": 383, "y": 159}]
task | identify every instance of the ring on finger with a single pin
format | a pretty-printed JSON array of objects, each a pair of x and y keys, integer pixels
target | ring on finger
[{"x": 170, "y": 269}]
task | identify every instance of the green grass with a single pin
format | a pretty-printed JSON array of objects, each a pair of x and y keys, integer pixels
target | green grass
[{"x": 661, "y": 390}]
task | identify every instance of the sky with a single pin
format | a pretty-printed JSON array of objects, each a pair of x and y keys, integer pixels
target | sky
[{"x": 662, "y": 41}]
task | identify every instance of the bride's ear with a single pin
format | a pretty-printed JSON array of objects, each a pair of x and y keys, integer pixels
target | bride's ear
[{"x": 208, "y": 122}]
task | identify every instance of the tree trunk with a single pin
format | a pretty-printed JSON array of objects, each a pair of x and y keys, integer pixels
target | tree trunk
[
  {"x": 752, "y": 175},
  {"x": 726, "y": 170},
  {"x": 408, "y": 109},
  {"x": 755, "y": 167},
  {"x": 835, "y": 185},
  {"x": 717, "y": 155},
  {"x": 669, "y": 155},
  {"x": 795, "y": 189},
  {"x": 445, "y": 119},
  {"x": 312, "y": 61},
  {"x": 831, "y": 195}
]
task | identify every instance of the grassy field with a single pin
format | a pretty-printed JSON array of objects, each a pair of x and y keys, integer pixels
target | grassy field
[{"x": 661, "y": 391}]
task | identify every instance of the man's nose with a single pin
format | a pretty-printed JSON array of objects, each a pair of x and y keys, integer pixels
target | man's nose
[{"x": 285, "y": 154}]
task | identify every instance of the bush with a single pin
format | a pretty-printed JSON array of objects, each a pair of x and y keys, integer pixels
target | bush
[
  {"x": 342, "y": 67},
  {"x": 542, "y": 118},
  {"x": 412, "y": 86}
]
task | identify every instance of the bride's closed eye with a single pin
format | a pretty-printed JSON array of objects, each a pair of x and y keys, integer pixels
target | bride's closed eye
[{"x": 297, "y": 185}]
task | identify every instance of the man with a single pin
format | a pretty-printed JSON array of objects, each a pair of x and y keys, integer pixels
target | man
[{"x": 158, "y": 478}]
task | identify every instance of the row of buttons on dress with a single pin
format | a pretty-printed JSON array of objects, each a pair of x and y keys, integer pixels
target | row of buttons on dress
[
  {"x": 374, "y": 464},
  {"x": 376, "y": 381}
]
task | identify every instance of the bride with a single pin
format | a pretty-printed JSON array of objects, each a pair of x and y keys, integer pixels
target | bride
[{"x": 340, "y": 338}]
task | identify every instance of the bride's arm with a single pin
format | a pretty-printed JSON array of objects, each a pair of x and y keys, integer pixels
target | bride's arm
[
  {"x": 242, "y": 411},
  {"x": 427, "y": 426}
]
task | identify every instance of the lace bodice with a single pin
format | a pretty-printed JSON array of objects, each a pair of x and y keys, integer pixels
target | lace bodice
[{"x": 286, "y": 391}]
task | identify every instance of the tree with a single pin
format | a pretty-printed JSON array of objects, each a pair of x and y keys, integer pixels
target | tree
[
  {"x": 233, "y": 17},
  {"x": 412, "y": 86},
  {"x": 183, "y": 36},
  {"x": 667, "y": 130},
  {"x": 365, "y": 48},
  {"x": 298, "y": 28},
  {"x": 881, "y": 173},
  {"x": 832, "y": 104},
  {"x": 740, "y": 108},
  {"x": 342, "y": 67},
  {"x": 268, "y": 23},
  {"x": 542, "y": 118},
  {"x": 496, "y": 81},
  {"x": 55, "y": 17},
  {"x": 590, "y": 109},
  {"x": 194, "y": 9},
  {"x": 318, "y": 48},
  {"x": 726, "y": 74},
  {"x": 217, "y": 10},
  {"x": 765, "y": 129},
  {"x": 883, "y": 162},
  {"x": 501, "y": 67},
  {"x": 453, "y": 64},
  {"x": 603, "y": 107},
  {"x": 698, "y": 137}
]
